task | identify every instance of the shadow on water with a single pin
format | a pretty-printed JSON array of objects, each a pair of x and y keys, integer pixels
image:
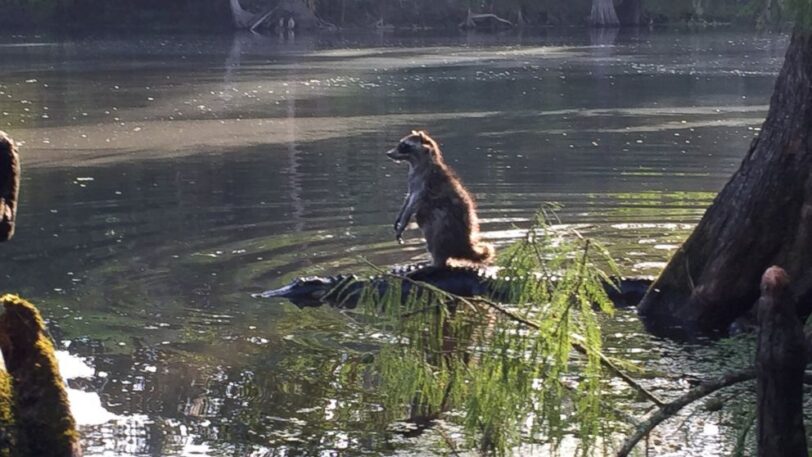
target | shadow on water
[{"x": 168, "y": 178}]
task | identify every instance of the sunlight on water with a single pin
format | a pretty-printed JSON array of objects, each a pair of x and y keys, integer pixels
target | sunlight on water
[
  {"x": 86, "y": 407},
  {"x": 160, "y": 139},
  {"x": 167, "y": 179}
]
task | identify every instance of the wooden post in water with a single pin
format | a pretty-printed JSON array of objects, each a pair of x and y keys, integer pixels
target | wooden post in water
[{"x": 780, "y": 363}]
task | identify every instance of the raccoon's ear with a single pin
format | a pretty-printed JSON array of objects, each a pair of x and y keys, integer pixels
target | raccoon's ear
[{"x": 424, "y": 136}]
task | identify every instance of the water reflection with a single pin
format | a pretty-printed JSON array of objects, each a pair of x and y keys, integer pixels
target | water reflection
[{"x": 167, "y": 178}]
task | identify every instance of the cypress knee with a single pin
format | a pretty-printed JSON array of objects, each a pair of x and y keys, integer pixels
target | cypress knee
[{"x": 780, "y": 362}]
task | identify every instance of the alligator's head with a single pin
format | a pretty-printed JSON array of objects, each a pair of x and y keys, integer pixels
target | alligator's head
[
  {"x": 303, "y": 292},
  {"x": 310, "y": 291}
]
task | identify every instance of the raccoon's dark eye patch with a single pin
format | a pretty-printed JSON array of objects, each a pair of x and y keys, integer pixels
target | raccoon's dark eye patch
[{"x": 410, "y": 144}]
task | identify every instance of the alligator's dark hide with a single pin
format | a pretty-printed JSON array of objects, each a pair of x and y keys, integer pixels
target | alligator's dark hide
[{"x": 343, "y": 291}]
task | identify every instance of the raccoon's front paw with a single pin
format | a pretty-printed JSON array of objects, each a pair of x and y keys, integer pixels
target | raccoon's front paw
[{"x": 399, "y": 239}]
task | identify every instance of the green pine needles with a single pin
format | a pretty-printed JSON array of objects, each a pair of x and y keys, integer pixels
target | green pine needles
[{"x": 527, "y": 371}]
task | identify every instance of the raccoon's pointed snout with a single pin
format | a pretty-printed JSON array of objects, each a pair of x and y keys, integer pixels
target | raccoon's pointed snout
[{"x": 396, "y": 155}]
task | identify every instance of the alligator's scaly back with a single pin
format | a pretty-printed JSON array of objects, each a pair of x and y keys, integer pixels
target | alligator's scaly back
[{"x": 344, "y": 291}]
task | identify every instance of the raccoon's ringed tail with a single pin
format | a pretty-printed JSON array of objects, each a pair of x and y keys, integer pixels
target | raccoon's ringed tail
[{"x": 483, "y": 252}]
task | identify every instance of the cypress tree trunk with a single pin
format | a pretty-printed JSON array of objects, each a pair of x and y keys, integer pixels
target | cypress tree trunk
[
  {"x": 699, "y": 10},
  {"x": 603, "y": 14},
  {"x": 762, "y": 217},
  {"x": 630, "y": 12},
  {"x": 765, "y": 18}
]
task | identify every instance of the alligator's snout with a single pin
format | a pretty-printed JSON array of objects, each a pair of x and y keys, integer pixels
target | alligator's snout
[
  {"x": 280, "y": 292},
  {"x": 312, "y": 287}
]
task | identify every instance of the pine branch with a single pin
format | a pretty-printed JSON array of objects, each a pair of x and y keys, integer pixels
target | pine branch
[{"x": 579, "y": 346}]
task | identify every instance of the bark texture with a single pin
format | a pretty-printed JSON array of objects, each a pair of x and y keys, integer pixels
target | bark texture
[
  {"x": 699, "y": 10},
  {"x": 762, "y": 217},
  {"x": 9, "y": 186},
  {"x": 780, "y": 362},
  {"x": 630, "y": 12},
  {"x": 603, "y": 14}
]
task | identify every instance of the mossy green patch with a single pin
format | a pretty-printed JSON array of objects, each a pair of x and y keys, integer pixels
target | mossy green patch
[
  {"x": 7, "y": 438},
  {"x": 39, "y": 401}
]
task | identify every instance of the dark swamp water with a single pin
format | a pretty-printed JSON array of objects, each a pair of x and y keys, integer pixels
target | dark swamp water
[{"x": 166, "y": 179}]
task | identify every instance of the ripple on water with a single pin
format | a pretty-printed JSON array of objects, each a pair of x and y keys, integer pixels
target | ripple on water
[{"x": 225, "y": 165}]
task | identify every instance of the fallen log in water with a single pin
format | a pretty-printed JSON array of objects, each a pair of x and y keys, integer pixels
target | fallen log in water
[{"x": 472, "y": 20}]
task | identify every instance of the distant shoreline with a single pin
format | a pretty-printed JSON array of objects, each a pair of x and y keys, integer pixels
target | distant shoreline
[{"x": 215, "y": 15}]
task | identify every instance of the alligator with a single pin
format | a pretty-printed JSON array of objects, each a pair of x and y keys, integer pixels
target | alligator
[{"x": 344, "y": 291}]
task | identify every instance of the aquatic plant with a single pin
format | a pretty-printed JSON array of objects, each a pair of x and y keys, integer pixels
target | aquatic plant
[{"x": 528, "y": 371}]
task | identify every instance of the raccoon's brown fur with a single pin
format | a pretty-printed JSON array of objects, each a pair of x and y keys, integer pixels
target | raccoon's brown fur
[{"x": 444, "y": 210}]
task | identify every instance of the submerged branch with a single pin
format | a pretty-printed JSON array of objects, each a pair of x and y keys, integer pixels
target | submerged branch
[
  {"x": 448, "y": 441},
  {"x": 673, "y": 407}
]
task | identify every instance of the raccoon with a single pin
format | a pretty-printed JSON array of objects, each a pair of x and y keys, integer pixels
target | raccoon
[{"x": 444, "y": 210}]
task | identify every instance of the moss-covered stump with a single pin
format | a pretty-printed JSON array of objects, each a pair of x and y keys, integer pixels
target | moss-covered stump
[
  {"x": 7, "y": 436},
  {"x": 38, "y": 421}
]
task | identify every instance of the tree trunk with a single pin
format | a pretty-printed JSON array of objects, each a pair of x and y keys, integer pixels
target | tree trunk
[
  {"x": 762, "y": 217},
  {"x": 780, "y": 363},
  {"x": 772, "y": 14},
  {"x": 242, "y": 18},
  {"x": 699, "y": 10},
  {"x": 603, "y": 14},
  {"x": 9, "y": 186},
  {"x": 630, "y": 12},
  {"x": 765, "y": 17}
]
